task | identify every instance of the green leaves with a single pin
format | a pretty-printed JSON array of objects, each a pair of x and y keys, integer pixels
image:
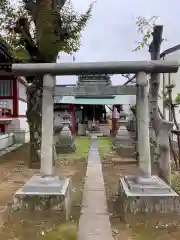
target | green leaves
[
  {"x": 144, "y": 29},
  {"x": 167, "y": 96},
  {"x": 177, "y": 99},
  {"x": 60, "y": 31},
  {"x": 133, "y": 109}
]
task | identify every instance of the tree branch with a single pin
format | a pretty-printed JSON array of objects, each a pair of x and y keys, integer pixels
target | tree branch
[{"x": 22, "y": 28}]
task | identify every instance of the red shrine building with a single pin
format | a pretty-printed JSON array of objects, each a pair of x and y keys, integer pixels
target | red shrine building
[{"x": 13, "y": 105}]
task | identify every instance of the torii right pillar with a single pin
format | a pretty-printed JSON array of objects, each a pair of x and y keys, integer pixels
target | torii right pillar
[{"x": 145, "y": 192}]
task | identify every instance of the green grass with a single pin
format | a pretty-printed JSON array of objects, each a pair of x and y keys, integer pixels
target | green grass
[
  {"x": 82, "y": 148},
  {"x": 148, "y": 233},
  {"x": 105, "y": 146},
  {"x": 63, "y": 232}
]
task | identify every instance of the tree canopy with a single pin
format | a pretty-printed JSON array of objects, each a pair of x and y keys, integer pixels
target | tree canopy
[{"x": 37, "y": 30}]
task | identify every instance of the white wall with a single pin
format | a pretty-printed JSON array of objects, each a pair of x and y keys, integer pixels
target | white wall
[
  {"x": 22, "y": 91},
  {"x": 6, "y": 140},
  {"x": 22, "y": 107},
  {"x": 18, "y": 125}
]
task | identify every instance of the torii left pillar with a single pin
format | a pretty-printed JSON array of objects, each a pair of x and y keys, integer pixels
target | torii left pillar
[{"x": 50, "y": 190}]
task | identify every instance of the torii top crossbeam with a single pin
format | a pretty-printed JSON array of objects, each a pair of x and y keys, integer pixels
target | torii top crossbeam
[{"x": 118, "y": 67}]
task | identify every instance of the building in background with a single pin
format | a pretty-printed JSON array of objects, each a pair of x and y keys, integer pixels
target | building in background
[
  {"x": 13, "y": 104},
  {"x": 90, "y": 109}
]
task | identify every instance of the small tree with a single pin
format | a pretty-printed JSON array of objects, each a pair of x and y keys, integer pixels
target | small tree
[
  {"x": 133, "y": 109},
  {"x": 160, "y": 127},
  {"x": 172, "y": 104},
  {"x": 37, "y": 30}
]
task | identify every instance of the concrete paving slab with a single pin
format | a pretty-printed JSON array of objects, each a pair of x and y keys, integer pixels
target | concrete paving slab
[
  {"x": 94, "y": 221},
  {"x": 94, "y": 201},
  {"x": 94, "y": 225}
]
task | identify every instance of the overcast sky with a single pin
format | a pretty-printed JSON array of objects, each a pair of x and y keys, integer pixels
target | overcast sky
[{"x": 111, "y": 33}]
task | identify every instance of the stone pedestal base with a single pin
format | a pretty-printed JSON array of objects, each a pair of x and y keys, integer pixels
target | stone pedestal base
[
  {"x": 123, "y": 141},
  {"x": 64, "y": 149},
  {"x": 138, "y": 197},
  {"x": 65, "y": 142},
  {"x": 104, "y": 129},
  {"x": 50, "y": 193},
  {"x": 125, "y": 150},
  {"x": 82, "y": 129}
]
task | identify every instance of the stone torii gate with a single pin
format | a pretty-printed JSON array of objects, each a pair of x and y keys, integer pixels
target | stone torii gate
[{"x": 48, "y": 186}]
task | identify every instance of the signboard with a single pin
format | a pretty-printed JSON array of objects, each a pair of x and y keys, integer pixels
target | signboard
[{"x": 3, "y": 104}]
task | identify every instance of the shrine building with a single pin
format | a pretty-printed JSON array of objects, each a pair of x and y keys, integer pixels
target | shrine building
[
  {"x": 13, "y": 104},
  {"x": 89, "y": 112}
]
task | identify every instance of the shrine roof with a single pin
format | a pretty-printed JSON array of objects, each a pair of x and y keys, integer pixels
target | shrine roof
[{"x": 118, "y": 99}]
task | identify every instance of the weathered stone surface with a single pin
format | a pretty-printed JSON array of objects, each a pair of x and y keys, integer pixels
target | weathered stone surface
[
  {"x": 122, "y": 136},
  {"x": 123, "y": 122},
  {"x": 44, "y": 193},
  {"x": 123, "y": 143},
  {"x": 142, "y": 186},
  {"x": 82, "y": 129},
  {"x": 125, "y": 150},
  {"x": 65, "y": 142},
  {"x": 99, "y": 228},
  {"x": 66, "y": 119},
  {"x": 94, "y": 220},
  {"x": 105, "y": 130},
  {"x": 164, "y": 160},
  {"x": 154, "y": 196},
  {"x": 94, "y": 202}
]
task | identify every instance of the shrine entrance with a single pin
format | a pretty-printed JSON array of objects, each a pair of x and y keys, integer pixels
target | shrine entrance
[
  {"x": 144, "y": 186},
  {"x": 88, "y": 105}
]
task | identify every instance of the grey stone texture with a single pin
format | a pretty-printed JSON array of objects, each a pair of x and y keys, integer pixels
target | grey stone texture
[
  {"x": 65, "y": 141},
  {"x": 123, "y": 143},
  {"x": 94, "y": 220},
  {"x": 152, "y": 196},
  {"x": 50, "y": 193}
]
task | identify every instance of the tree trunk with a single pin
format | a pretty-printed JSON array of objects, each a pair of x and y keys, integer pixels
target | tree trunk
[
  {"x": 177, "y": 127},
  {"x": 170, "y": 144},
  {"x": 34, "y": 118},
  {"x": 160, "y": 126}
]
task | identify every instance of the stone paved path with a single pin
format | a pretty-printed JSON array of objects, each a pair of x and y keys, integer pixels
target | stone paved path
[{"x": 94, "y": 221}]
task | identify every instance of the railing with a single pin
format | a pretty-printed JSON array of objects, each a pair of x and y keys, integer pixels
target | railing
[{"x": 5, "y": 112}]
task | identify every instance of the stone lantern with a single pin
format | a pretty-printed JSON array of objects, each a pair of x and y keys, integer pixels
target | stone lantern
[{"x": 65, "y": 142}]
